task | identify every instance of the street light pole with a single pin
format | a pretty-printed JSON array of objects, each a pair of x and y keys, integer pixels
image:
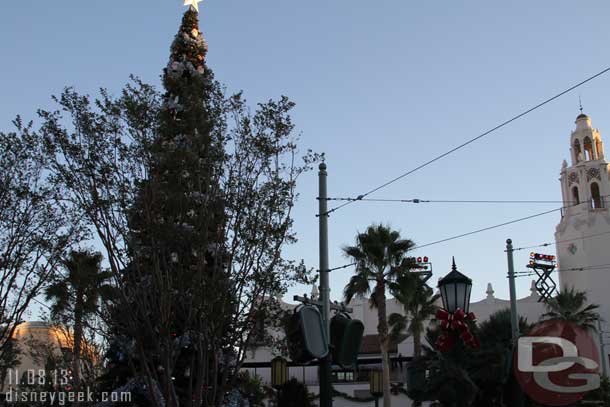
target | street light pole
[
  {"x": 602, "y": 346},
  {"x": 325, "y": 367},
  {"x": 514, "y": 318}
]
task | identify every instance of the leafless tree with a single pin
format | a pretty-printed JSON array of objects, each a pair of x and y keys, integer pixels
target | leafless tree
[
  {"x": 191, "y": 280},
  {"x": 34, "y": 226}
]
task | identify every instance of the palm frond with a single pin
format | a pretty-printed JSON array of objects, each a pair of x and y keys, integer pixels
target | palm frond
[
  {"x": 358, "y": 285},
  {"x": 398, "y": 327},
  {"x": 571, "y": 305}
]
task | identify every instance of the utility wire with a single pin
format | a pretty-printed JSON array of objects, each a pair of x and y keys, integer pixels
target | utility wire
[
  {"x": 488, "y": 228},
  {"x": 522, "y": 275},
  {"x": 495, "y": 227},
  {"x": 467, "y": 234},
  {"x": 592, "y": 268},
  {"x": 562, "y": 241},
  {"x": 341, "y": 267},
  {"x": 416, "y": 201},
  {"x": 472, "y": 140},
  {"x": 68, "y": 316}
]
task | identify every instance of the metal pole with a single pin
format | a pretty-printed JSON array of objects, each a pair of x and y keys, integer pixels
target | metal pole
[
  {"x": 325, "y": 368},
  {"x": 514, "y": 319},
  {"x": 602, "y": 346}
]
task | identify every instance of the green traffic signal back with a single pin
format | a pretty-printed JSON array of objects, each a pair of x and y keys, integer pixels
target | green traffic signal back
[
  {"x": 306, "y": 339},
  {"x": 346, "y": 339}
]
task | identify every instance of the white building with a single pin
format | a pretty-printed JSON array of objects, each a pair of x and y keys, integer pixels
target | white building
[
  {"x": 583, "y": 235},
  {"x": 583, "y": 251}
]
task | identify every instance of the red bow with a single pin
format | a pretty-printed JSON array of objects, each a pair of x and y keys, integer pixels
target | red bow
[{"x": 455, "y": 321}]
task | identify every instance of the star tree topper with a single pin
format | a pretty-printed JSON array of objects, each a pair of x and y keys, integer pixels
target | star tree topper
[{"x": 193, "y": 3}]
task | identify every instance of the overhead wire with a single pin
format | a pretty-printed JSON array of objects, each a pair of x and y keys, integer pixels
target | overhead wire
[
  {"x": 487, "y": 228},
  {"x": 562, "y": 241},
  {"x": 468, "y": 233},
  {"x": 417, "y": 201},
  {"x": 466, "y": 143},
  {"x": 498, "y": 226}
]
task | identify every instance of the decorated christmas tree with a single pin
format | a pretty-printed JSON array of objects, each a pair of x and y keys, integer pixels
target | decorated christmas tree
[
  {"x": 193, "y": 211},
  {"x": 178, "y": 231}
]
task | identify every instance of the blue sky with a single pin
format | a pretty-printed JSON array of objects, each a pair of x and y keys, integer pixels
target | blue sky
[{"x": 380, "y": 87}]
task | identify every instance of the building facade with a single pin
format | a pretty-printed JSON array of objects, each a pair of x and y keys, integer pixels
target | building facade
[{"x": 582, "y": 236}]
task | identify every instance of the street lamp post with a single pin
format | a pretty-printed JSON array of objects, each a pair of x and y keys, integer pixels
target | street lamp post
[
  {"x": 514, "y": 317},
  {"x": 279, "y": 374},
  {"x": 376, "y": 385},
  {"x": 455, "y": 290},
  {"x": 326, "y": 398}
]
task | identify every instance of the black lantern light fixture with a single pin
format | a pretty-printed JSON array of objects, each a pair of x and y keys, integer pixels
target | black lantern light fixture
[
  {"x": 376, "y": 384},
  {"x": 455, "y": 290},
  {"x": 279, "y": 374},
  {"x": 279, "y": 371}
]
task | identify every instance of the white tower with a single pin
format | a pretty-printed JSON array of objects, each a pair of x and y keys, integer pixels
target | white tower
[{"x": 583, "y": 235}]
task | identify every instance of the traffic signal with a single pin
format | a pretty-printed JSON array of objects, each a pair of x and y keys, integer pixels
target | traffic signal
[
  {"x": 417, "y": 263},
  {"x": 541, "y": 257},
  {"x": 305, "y": 331},
  {"x": 346, "y": 338},
  {"x": 541, "y": 261}
]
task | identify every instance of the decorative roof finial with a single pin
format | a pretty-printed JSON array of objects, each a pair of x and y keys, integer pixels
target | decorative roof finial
[
  {"x": 580, "y": 104},
  {"x": 534, "y": 290},
  {"x": 490, "y": 291},
  {"x": 314, "y": 292},
  {"x": 453, "y": 267}
]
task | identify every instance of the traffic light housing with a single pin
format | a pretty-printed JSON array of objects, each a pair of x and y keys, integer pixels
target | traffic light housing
[
  {"x": 346, "y": 339},
  {"x": 306, "y": 338},
  {"x": 542, "y": 261}
]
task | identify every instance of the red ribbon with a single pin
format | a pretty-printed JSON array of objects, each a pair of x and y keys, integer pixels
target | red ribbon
[{"x": 455, "y": 322}]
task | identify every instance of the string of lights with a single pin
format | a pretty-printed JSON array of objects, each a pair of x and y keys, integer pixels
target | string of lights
[{"x": 466, "y": 143}]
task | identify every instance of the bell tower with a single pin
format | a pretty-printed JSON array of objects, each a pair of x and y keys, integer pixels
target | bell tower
[
  {"x": 585, "y": 182},
  {"x": 583, "y": 235}
]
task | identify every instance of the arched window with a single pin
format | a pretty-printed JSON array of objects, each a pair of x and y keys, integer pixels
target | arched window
[
  {"x": 596, "y": 200},
  {"x": 575, "y": 197},
  {"x": 576, "y": 150},
  {"x": 588, "y": 147}
]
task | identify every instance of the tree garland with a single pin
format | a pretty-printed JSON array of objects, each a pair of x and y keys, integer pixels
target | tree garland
[{"x": 395, "y": 391}]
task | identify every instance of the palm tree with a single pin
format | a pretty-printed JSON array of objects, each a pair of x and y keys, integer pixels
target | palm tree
[
  {"x": 379, "y": 255},
  {"x": 419, "y": 303},
  {"x": 489, "y": 366},
  {"x": 571, "y": 305},
  {"x": 76, "y": 296}
]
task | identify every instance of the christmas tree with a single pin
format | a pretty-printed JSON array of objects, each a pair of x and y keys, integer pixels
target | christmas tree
[
  {"x": 193, "y": 211},
  {"x": 178, "y": 277}
]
